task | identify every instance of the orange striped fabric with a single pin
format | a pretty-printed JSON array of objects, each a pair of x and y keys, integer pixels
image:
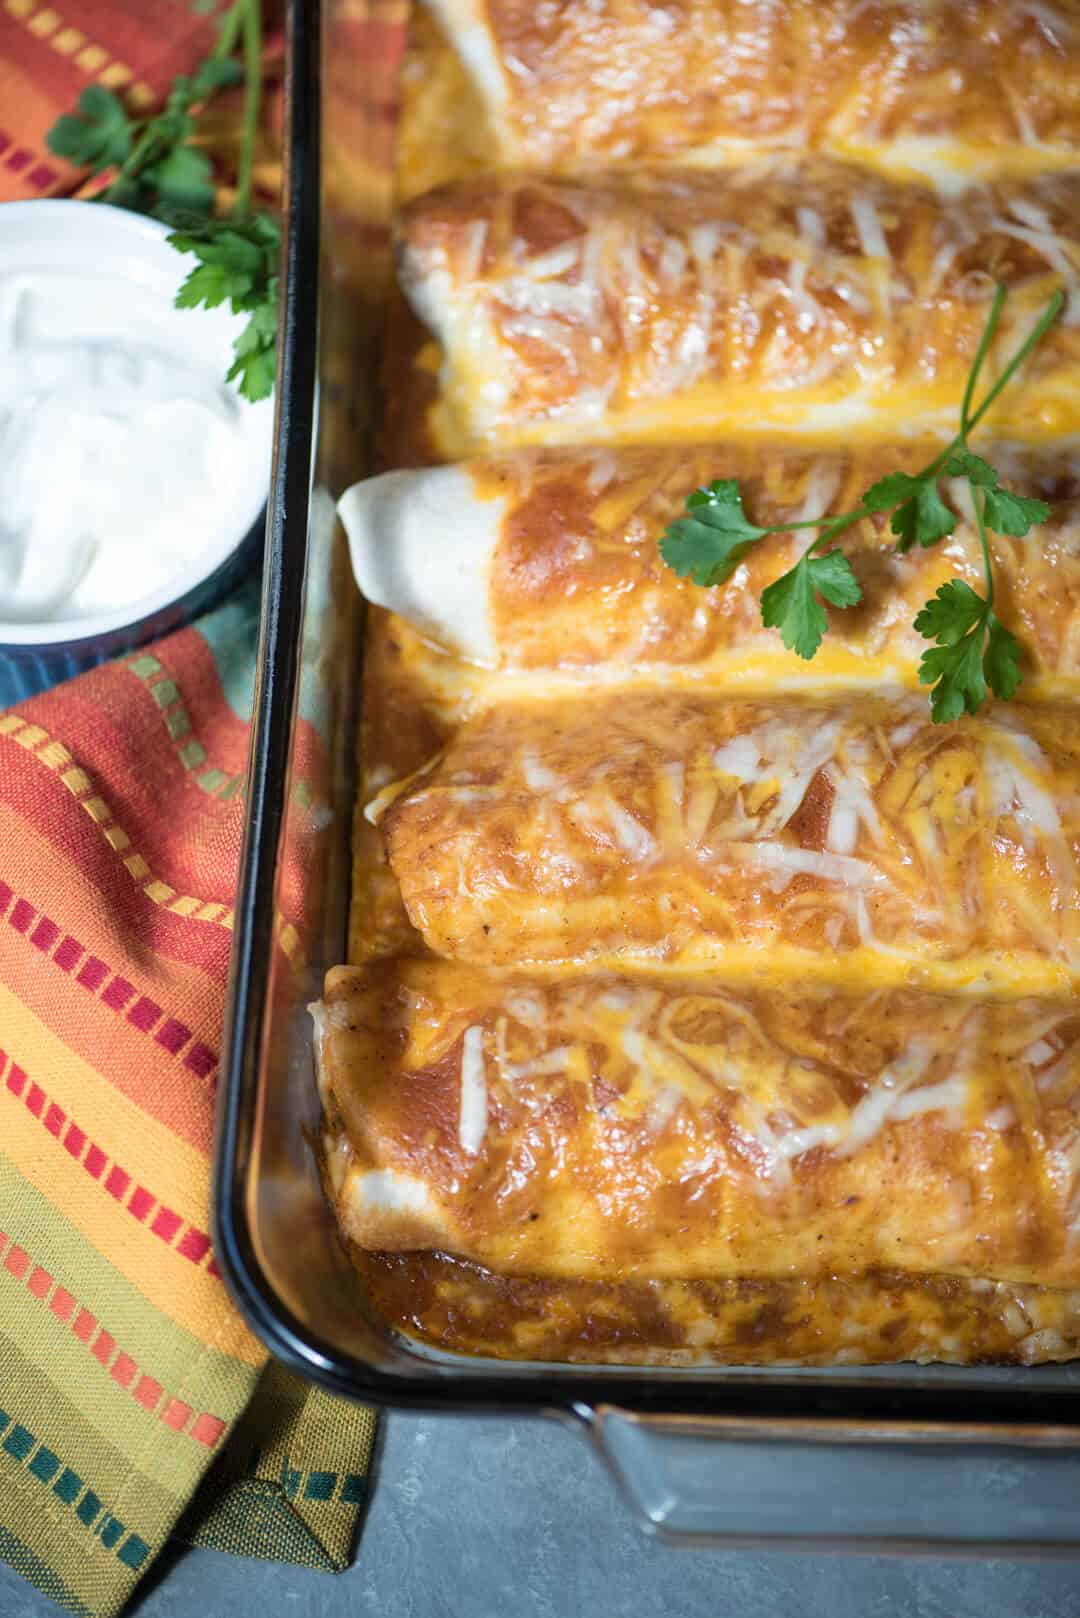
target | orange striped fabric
[
  {"x": 124, "y": 1370},
  {"x": 50, "y": 53},
  {"x": 117, "y": 867}
]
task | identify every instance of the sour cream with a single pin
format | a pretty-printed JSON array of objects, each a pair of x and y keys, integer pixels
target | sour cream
[{"x": 119, "y": 445}]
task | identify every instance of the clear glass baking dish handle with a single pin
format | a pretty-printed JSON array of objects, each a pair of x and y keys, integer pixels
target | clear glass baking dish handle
[{"x": 820, "y": 1485}]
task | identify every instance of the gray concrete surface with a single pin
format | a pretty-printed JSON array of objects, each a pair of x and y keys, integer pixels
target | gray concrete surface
[{"x": 488, "y": 1519}]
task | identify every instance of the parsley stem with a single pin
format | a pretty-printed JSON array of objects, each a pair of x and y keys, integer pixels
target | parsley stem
[
  {"x": 148, "y": 146},
  {"x": 1000, "y": 294},
  {"x": 844, "y": 519},
  {"x": 838, "y": 525},
  {"x": 806, "y": 522},
  {"x": 229, "y": 31},
  {"x": 136, "y": 160},
  {"x": 830, "y": 528},
  {"x": 1034, "y": 337},
  {"x": 980, "y": 524},
  {"x": 252, "y": 23}
]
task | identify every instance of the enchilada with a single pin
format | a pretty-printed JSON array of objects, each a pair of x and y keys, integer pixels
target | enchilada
[
  {"x": 706, "y": 1003},
  {"x": 775, "y": 298},
  {"x": 945, "y": 92},
  {"x": 851, "y": 841},
  {"x": 606, "y": 1127},
  {"x": 543, "y": 566}
]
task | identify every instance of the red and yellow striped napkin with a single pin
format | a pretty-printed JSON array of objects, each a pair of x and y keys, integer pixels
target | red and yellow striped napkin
[
  {"x": 134, "y": 1403},
  {"x": 49, "y": 54}
]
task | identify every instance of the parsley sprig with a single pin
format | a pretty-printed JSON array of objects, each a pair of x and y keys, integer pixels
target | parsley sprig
[
  {"x": 157, "y": 170},
  {"x": 238, "y": 261},
  {"x": 972, "y": 648}
]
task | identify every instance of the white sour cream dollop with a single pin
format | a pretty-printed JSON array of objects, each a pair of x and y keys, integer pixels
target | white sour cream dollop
[{"x": 117, "y": 451}]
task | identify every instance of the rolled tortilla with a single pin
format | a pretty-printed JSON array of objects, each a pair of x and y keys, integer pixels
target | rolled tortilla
[
  {"x": 763, "y": 300},
  {"x": 949, "y": 94},
  {"x": 422, "y": 544},
  {"x": 845, "y": 841},
  {"x": 607, "y": 1127},
  {"x": 549, "y": 562}
]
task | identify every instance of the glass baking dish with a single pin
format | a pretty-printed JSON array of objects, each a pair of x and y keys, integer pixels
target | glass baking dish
[{"x": 897, "y": 1457}]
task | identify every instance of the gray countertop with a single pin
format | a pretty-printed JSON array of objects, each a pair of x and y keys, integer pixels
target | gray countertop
[{"x": 516, "y": 1519}]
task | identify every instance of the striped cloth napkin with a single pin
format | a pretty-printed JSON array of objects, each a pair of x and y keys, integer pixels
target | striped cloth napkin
[{"x": 134, "y": 1403}]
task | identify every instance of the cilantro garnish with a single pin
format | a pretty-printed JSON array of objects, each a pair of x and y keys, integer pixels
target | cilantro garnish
[
  {"x": 973, "y": 650},
  {"x": 710, "y": 543},
  {"x": 158, "y": 171},
  {"x": 238, "y": 261},
  {"x": 791, "y": 605}
]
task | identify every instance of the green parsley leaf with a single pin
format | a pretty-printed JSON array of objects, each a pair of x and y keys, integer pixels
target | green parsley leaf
[
  {"x": 254, "y": 372},
  {"x": 189, "y": 236},
  {"x": 216, "y": 73},
  {"x": 924, "y": 518},
  {"x": 709, "y": 544},
  {"x": 206, "y": 286},
  {"x": 963, "y": 464},
  {"x": 791, "y": 604},
  {"x": 235, "y": 252},
  {"x": 236, "y": 261},
  {"x": 183, "y": 179},
  {"x": 256, "y": 349},
  {"x": 1009, "y": 513},
  {"x": 954, "y": 610},
  {"x": 956, "y": 674},
  {"x": 264, "y": 229},
  {"x": 833, "y": 578},
  {"x": 959, "y": 667},
  {"x": 238, "y": 265},
  {"x": 1001, "y": 661},
  {"x": 262, "y": 327},
  {"x": 98, "y": 136},
  {"x": 888, "y": 491}
]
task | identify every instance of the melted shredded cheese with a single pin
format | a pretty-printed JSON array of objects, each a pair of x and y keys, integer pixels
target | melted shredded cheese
[
  {"x": 1036, "y": 231},
  {"x": 868, "y": 225},
  {"x": 789, "y": 862},
  {"x": 472, "y": 1123},
  {"x": 389, "y": 1191}
]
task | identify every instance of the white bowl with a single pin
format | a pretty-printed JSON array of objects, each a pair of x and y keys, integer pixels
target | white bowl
[{"x": 108, "y": 244}]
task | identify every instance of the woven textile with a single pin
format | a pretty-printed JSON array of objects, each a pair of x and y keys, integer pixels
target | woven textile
[
  {"x": 50, "y": 53},
  {"x": 134, "y": 1403},
  {"x": 123, "y": 1367}
]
